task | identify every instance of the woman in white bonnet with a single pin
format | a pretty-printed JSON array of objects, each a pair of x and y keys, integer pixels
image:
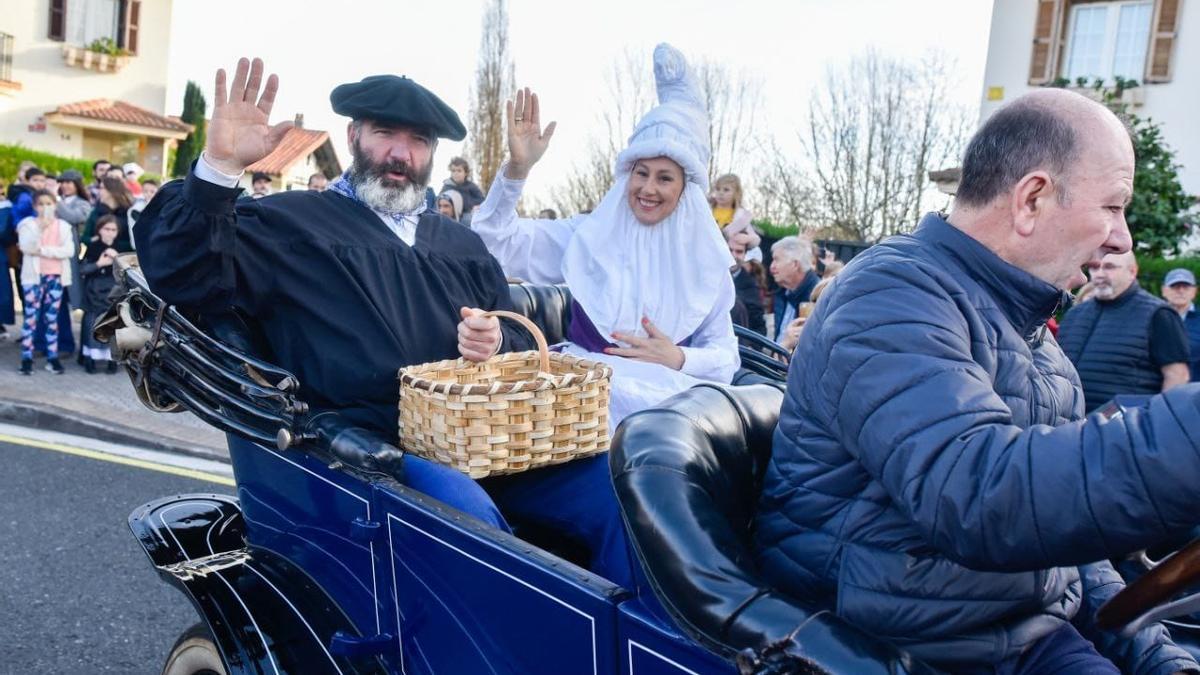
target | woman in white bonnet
[{"x": 648, "y": 268}]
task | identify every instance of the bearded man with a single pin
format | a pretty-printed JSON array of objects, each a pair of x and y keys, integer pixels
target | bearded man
[{"x": 347, "y": 285}]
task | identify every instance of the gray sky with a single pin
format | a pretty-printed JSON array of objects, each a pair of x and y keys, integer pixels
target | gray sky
[{"x": 562, "y": 49}]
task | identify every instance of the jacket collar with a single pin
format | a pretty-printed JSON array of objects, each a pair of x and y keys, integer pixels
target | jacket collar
[
  {"x": 809, "y": 282},
  {"x": 1024, "y": 299}
]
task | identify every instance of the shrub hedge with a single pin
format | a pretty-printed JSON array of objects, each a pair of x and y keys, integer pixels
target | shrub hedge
[
  {"x": 1152, "y": 270},
  {"x": 11, "y": 157}
]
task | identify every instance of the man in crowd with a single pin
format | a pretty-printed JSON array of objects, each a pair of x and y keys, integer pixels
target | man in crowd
[
  {"x": 318, "y": 182},
  {"x": 99, "y": 170},
  {"x": 1124, "y": 341},
  {"x": 792, "y": 267},
  {"x": 260, "y": 185},
  {"x": 933, "y": 478},
  {"x": 748, "y": 307},
  {"x": 1179, "y": 290}
]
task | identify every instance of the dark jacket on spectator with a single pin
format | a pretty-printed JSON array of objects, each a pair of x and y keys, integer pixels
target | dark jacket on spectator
[
  {"x": 123, "y": 242},
  {"x": 1109, "y": 341},
  {"x": 749, "y": 297},
  {"x": 933, "y": 480},
  {"x": 784, "y": 297},
  {"x": 471, "y": 194}
]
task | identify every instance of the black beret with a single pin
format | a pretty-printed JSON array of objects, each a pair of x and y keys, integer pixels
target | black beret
[{"x": 398, "y": 100}]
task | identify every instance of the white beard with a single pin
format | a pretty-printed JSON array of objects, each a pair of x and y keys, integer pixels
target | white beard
[{"x": 381, "y": 197}]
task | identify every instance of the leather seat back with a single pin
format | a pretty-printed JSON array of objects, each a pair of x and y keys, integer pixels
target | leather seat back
[
  {"x": 688, "y": 475},
  {"x": 548, "y": 306}
]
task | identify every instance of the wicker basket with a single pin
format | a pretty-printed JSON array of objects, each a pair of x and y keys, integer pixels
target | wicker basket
[{"x": 511, "y": 413}]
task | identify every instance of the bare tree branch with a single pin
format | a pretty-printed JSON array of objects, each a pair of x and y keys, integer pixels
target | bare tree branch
[
  {"x": 875, "y": 130},
  {"x": 733, "y": 99},
  {"x": 494, "y": 82}
]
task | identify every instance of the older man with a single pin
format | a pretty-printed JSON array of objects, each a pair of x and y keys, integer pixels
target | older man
[
  {"x": 349, "y": 284},
  {"x": 792, "y": 268},
  {"x": 1125, "y": 341},
  {"x": 1179, "y": 290},
  {"x": 934, "y": 480}
]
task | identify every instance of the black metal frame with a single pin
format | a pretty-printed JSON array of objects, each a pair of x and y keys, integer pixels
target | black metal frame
[{"x": 762, "y": 356}]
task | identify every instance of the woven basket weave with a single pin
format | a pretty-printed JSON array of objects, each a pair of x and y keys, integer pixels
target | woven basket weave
[{"x": 511, "y": 413}]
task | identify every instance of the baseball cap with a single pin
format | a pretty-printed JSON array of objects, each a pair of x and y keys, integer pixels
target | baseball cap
[{"x": 1180, "y": 275}]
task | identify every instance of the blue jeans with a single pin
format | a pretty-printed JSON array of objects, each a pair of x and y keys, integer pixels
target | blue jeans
[{"x": 1063, "y": 652}]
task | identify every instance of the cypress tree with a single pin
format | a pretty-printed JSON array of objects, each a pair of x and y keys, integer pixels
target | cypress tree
[{"x": 193, "y": 113}]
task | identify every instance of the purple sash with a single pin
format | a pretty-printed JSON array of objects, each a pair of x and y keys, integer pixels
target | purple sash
[{"x": 584, "y": 333}]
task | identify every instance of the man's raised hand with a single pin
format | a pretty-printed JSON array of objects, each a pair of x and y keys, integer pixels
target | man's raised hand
[
  {"x": 527, "y": 142},
  {"x": 239, "y": 134}
]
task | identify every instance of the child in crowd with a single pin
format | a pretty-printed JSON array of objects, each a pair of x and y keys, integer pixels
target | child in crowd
[
  {"x": 96, "y": 269},
  {"x": 731, "y": 217},
  {"x": 460, "y": 181},
  {"x": 48, "y": 245},
  {"x": 450, "y": 204}
]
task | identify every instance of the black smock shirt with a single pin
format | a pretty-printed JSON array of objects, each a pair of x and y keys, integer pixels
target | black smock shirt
[{"x": 342, "y": 301}]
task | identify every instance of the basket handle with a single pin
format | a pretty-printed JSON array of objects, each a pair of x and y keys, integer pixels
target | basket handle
[{"x": 543, "y": 348}]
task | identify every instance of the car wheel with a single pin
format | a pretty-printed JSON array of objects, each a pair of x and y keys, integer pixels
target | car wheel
[{"x": 195, "y": 653}]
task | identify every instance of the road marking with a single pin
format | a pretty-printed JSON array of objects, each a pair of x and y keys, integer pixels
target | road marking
[{"x": 151, "y": 460}]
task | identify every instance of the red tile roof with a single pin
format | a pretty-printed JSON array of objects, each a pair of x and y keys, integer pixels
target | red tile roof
[
  {"x": 120, "y": 112},
  {"x": 296, "y": 145}
]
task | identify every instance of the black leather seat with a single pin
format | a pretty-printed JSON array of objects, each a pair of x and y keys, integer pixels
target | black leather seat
[
  {"x": 688, "y": 475},
  {"x": 548, "y": 306}
]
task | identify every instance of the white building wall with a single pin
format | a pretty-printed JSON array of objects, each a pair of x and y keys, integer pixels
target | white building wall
[
  {"x": 1176, "y": 104},
  {"x": 48, "y": 82}
]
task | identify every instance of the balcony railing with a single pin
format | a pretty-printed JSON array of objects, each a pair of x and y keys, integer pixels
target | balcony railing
[{"x": 6, "y": 57}]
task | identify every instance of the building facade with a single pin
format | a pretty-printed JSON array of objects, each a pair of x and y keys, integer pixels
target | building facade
[
  {"x": 88, "y": 78},
  {"x": 1156, "y": 43}
]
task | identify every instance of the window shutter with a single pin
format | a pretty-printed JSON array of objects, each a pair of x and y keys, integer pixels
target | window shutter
[
  {"x": 1162, "y": 40},
  {"x": 58, "y": 20},
  {"x": 1044, "y": 63},
  {"x": 133, "y": 14}
]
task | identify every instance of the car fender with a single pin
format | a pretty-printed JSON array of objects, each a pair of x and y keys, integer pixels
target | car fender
[{"x": 265, "y": 614}]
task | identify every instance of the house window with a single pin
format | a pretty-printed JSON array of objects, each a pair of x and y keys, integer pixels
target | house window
[
  {"x": 83, "y": 22},
  {"x": 1107, "y": 40},
  {"x": 1092, "y": 39}
]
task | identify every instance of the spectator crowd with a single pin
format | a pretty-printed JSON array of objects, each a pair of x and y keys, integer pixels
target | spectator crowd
[{"x": 61, "y": 236}]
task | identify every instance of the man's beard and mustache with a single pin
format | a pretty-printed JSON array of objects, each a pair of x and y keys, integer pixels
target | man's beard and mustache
[{"x": 381, "y": 193}]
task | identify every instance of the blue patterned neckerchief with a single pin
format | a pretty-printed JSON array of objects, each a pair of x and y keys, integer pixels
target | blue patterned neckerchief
[{"x": 343, "y": 187}]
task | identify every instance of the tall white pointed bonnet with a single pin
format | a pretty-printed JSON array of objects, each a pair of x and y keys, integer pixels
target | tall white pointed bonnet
[{"x": 678, "y": 127}]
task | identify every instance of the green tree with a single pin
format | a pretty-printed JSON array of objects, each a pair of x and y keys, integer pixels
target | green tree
[
  {"x": 1160, "y": 215},
  {"x": 193, "y": 113}
]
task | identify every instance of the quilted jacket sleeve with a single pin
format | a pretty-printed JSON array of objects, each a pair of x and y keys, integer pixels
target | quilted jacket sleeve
[
  {"x": 986, "y": 493},
  {"x": 1150, "y": 652}
]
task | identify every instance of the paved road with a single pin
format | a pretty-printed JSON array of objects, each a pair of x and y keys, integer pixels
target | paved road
[{"x": 77, "y": 593}]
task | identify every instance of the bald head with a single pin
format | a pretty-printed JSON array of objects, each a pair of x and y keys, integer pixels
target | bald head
[{"x": 1050, "y": 130}]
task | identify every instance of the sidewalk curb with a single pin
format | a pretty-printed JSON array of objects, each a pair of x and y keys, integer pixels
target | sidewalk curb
[{"x": 51, "y": 418}]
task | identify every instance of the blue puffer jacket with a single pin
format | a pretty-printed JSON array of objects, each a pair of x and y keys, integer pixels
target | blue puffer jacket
[{"x": 933, "y": 479}]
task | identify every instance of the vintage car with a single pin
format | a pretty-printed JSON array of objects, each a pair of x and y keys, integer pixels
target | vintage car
[{"x": 324, "y": 562}]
